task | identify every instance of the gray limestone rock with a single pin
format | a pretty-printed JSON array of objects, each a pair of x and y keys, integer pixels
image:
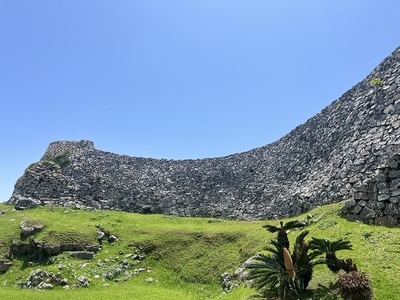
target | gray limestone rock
[
  {"x": 387, "y": 221},
  {"x": 368, "y": 214},
  {"x": 5, "y": 265},
  {"x": 83, "y": 254},
  {"x": 84, "y": 281},
  {"x": 22, "y": 203},
  {"x": 30, "y": 228}
]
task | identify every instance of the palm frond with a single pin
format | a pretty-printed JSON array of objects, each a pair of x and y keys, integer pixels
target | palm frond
[
  {"x": 301, "y": 246},
  {"x": 294, "y": 224},
  {"x": 265, "y": 271},
  {"x": 341, "y": 245},
  {"x": 326, "y": 246},
  {"x": 271, "y": 228},
  {"x": 285, "y": 226},
  {"x": 275, "y": 249}
]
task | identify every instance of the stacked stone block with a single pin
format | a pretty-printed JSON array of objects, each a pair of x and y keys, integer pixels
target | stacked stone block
[{"x": 377, "y": 200}]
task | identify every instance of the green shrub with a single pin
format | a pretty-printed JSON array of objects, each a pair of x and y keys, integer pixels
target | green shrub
[
  {"x": 376, "y": 81},
  {"x": 61, "y": 159}
]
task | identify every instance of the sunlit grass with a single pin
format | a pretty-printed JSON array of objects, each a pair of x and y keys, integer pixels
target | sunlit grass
[{"x": 186, "y": 256}]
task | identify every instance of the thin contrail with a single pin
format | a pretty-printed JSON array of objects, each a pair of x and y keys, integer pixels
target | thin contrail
[{"x": 102, "y": 108}]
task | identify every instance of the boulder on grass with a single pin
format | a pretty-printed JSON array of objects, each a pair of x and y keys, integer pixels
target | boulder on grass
[
  {"x": 30, "y": 228},
  {"x": 5, "y": 265},
  {"x": 26, "y": 203}
]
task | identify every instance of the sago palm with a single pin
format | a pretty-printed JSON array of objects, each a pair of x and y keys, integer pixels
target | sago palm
[
  {"x": 304, "y": 260},
  {"x": 282, "y": 231},
  {"x": 330, "y": 248},
  {"x": 270, "y": 274}
]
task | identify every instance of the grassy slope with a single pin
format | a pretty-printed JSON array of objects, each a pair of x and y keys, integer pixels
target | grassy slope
[{"x": 186, "y": 255}]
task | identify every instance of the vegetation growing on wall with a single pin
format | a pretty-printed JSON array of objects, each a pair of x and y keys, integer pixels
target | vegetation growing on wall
[
  {"x": 61, "y": 159},
  {"x": 376, "y": 81}
]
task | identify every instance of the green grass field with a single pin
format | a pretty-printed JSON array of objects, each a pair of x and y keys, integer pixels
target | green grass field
[{"x": 184, "y": 256}]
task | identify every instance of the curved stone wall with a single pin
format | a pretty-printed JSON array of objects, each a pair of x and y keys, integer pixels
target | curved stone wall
[{"x": 323, "y": 160}]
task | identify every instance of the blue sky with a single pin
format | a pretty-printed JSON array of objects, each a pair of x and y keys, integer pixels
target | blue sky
[{"x": 177, "y": 78}]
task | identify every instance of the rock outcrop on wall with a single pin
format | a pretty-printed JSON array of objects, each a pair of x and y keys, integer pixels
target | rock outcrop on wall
[{"x": 326, "y": 159}]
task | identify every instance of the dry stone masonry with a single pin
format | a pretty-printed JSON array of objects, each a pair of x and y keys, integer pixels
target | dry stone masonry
[
  {"x": 350, "y": 150},
  {"x": 377, "y": 199}
]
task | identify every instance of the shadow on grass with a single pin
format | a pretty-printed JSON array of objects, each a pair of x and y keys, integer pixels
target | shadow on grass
[
  {"x": 320, "y": 293},
  {"x": 326, "y": 292},
  {"x": 30, "y": 262}
]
